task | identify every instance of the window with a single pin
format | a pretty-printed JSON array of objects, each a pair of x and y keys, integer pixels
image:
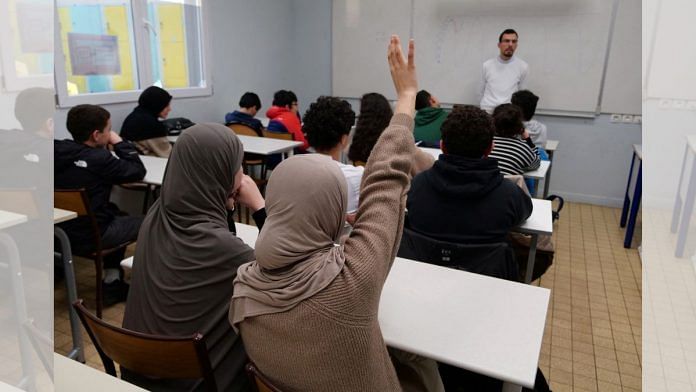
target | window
[
  {"x": 109, "y": 50},
  {"x": 26, "y": 44}
]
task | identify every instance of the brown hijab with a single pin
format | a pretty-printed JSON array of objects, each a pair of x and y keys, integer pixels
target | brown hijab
[{"x": 306, "y": 202}]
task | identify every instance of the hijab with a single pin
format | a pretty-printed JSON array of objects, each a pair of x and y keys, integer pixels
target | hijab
[{"x": 143, "y": 122}]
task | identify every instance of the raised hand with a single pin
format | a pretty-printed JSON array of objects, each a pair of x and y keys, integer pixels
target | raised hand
[{"x": 403, "y": 72}]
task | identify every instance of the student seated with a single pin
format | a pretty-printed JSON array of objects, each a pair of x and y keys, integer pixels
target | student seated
[
  {"x": 512, "y": 146},
  {"x": 429, "y": 119},
  {"x": 284, "y": 117},
  {"x": 307, "y": 308},
  {"x": 85, "y": 162},
  {"x": 327, "y": 123},
  {"x": 188, "y": 254},
  {"x": 249, "y": 105},
  {"x": 143, "y": 126},
  {"x": 375, "y": 114},
  {"x": 527, "y": 102}
]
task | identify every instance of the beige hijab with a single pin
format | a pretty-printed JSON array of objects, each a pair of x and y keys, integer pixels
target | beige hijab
[{"x": 306, "y": 202}]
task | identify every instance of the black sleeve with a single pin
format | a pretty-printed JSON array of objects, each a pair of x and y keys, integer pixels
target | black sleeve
[
  {"x": 530, "y": 143},
  {"x": 230, "y": 222},
  {"x": 259, "y": 217},
  {"x": 125, "y": 167},
  {"x": 523, "y": 205}
]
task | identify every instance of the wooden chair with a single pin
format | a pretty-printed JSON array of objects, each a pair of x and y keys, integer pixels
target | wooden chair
[
  {"x": 153, "y": 356},
  {"x": 76, "y": 200},
  {"x": 259, "y": 380},
  {"x": 278, "y": 135}
]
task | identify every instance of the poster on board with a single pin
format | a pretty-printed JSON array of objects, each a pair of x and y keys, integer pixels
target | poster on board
[{"x": 94, "y": 54}]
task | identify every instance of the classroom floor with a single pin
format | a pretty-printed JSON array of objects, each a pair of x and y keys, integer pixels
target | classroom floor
[{"x": 592, "y": 340}]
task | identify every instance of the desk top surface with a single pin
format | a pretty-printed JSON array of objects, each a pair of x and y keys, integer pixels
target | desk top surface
[
  {"x": 63, "y": 215},
  {"x": 487, "y": 325},
  {"x": 539, "y": 173},
  {"x": 541, "y": 220},
  {"x": 155, "y": 167},
  {"x": 260, "y": 145},
  {"x": 551, "y": 145},
  {"x": 9, "y": 219},
  {"x": 638, "y": 150},
  {"x": 70, "y": 375}
]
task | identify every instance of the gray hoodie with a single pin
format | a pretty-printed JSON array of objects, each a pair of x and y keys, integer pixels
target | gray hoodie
[{"x": 537, "y": 131}]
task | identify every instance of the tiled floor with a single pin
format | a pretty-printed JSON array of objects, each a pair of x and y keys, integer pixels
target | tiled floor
[{"x": 593, "y": 333}]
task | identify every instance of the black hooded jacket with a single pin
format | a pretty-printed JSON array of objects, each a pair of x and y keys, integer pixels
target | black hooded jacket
[
  {"x": 97, "y": 170},
  {"x": 465, "y": 200},
  {"x": 143, "y": 122}
]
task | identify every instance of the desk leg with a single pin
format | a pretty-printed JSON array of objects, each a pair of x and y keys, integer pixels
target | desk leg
[
  {"x": 531, "y": 259},
  {"x": 547, "y": 179},
  {"x": 686, "y": 214},
  {"x": 28, "y": 381},
  {"x": 509, "y": 387},
  {"x": 66, "y": 255},
  {"x": 635, "y": 205},
  {"x": 678, "y": 200},
  {"x": 627, "y": 200}
]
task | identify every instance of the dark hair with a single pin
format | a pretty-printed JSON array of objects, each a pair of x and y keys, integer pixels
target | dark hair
[
  {"x": 375, "y": 114},
  {"x": 508, "y": 120},
  {"x": 527, "y": 102},
  {"x": 284, "y": 98},
  {"x": 467, "y": 131},
  {"x": 85, "y": 119},
  {"x": 154, "y": 99},
  {"x": 249, "y": 100},
  {"x": 326, "y": 121},
  {"x": 34, "y": 106},
  {"x": 422, "y": 100},
  {"x": 506, "y": 31}
]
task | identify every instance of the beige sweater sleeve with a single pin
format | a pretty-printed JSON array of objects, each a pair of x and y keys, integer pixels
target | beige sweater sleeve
[
  {"x": 158, "y": 147},
  {"x": 372, "y": 245}
]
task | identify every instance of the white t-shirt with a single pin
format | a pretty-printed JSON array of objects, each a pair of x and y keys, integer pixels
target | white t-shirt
[
  {"x": 501, "y": 79},
  {"x": 353, "y": 176}
]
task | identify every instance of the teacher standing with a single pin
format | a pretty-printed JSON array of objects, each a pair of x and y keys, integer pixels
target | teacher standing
[{"x": 503, "y": 74}]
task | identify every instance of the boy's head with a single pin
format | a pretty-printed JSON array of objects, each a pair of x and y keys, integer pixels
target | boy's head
[
  {"x": 286, "y": 99},
  {"x": 467, "y": 132},
  {"x": 34, "y": 109},
  {"x": 508, "y": 120},
  {"x": 251, "y": 102},
  {"x": 89, "y": 124},
  {"x": 426, "y": 100},
  {"x": 527, "y": 102},
  {"x": 327, "y": 123}
]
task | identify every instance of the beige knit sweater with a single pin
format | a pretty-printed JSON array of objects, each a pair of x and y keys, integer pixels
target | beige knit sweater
[{"x": 332, "y": 342}]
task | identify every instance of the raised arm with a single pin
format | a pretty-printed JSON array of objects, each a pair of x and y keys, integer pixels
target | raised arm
[{"x": 371, "y": 247}]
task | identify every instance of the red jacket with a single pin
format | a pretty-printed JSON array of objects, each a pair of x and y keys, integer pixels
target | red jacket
[{"x": 291, "y": 122}]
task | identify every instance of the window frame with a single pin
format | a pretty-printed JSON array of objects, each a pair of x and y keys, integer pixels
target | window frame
[{"x": 143, "y": 53}]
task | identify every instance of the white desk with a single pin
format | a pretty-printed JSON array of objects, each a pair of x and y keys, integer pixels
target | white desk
[
  {"x": 487, "y": 325},
  {"x": 551, "y": 146},
  {"x": 60, "y": 216},
  {"x": 155, "y": 167},
  {"x": 9, "y": 219},
  {"x": 261, "y": 145},
  {"x": 70, "y": 375},
  {"x": 9, "y": 388},
  {"x": 540, "y": 222}
]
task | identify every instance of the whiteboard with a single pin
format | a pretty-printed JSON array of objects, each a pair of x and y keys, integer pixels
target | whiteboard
[{"x": 564, "y": 42}]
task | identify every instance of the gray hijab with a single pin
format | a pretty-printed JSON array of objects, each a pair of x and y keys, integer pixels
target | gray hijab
[{"x": 306, "y": 202}]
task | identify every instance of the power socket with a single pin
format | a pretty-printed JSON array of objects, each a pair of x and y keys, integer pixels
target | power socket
[
  {"x": 637, "y": 119},
  {"x": 627, "y": 119},
  {"x": 615, "y": 118}
]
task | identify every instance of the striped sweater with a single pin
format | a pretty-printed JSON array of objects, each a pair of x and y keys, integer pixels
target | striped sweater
[{"x": 515, "y": 156}]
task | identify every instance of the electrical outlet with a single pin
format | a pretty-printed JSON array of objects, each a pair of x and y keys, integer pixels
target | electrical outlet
[
  {"x": 637, "y": 119},
  {"x": 679, "y": 104},
  {"x": 665, "y": 104},
  {"x": 615, "y": 118},
  {"x": 627, "y": 119}
]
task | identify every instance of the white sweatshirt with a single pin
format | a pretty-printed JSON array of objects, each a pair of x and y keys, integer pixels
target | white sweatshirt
[{"x": 500, "y": 80}]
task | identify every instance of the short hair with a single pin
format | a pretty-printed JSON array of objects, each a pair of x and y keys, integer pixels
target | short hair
[
  {"x": 326, "y": 121},
  {"x": 284, "y": 98},
  {"x": 85, "y": 119},
  {"x": 249, "y": 100},
  {"x": 422, "y": 100},
  {"x": 527, "y": 102},
  {"x": 467, "y": 131},
  {"x": 507, "y": 31},
  {"x": 375, "y": 114},
  {"x": 34, "y": 106},
  {"x": 508, "y": 120}
]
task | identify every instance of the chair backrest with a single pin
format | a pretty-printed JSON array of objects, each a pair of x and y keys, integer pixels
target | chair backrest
[
  {"x": 241, "y": 129},
  {"x": 258, "y": 379},
  {"x": 148, "y": 355},
  {"x": 495, "y": 259},
  {"x": 72, "y": 200},
  {"x": 277, "y": 135}
]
